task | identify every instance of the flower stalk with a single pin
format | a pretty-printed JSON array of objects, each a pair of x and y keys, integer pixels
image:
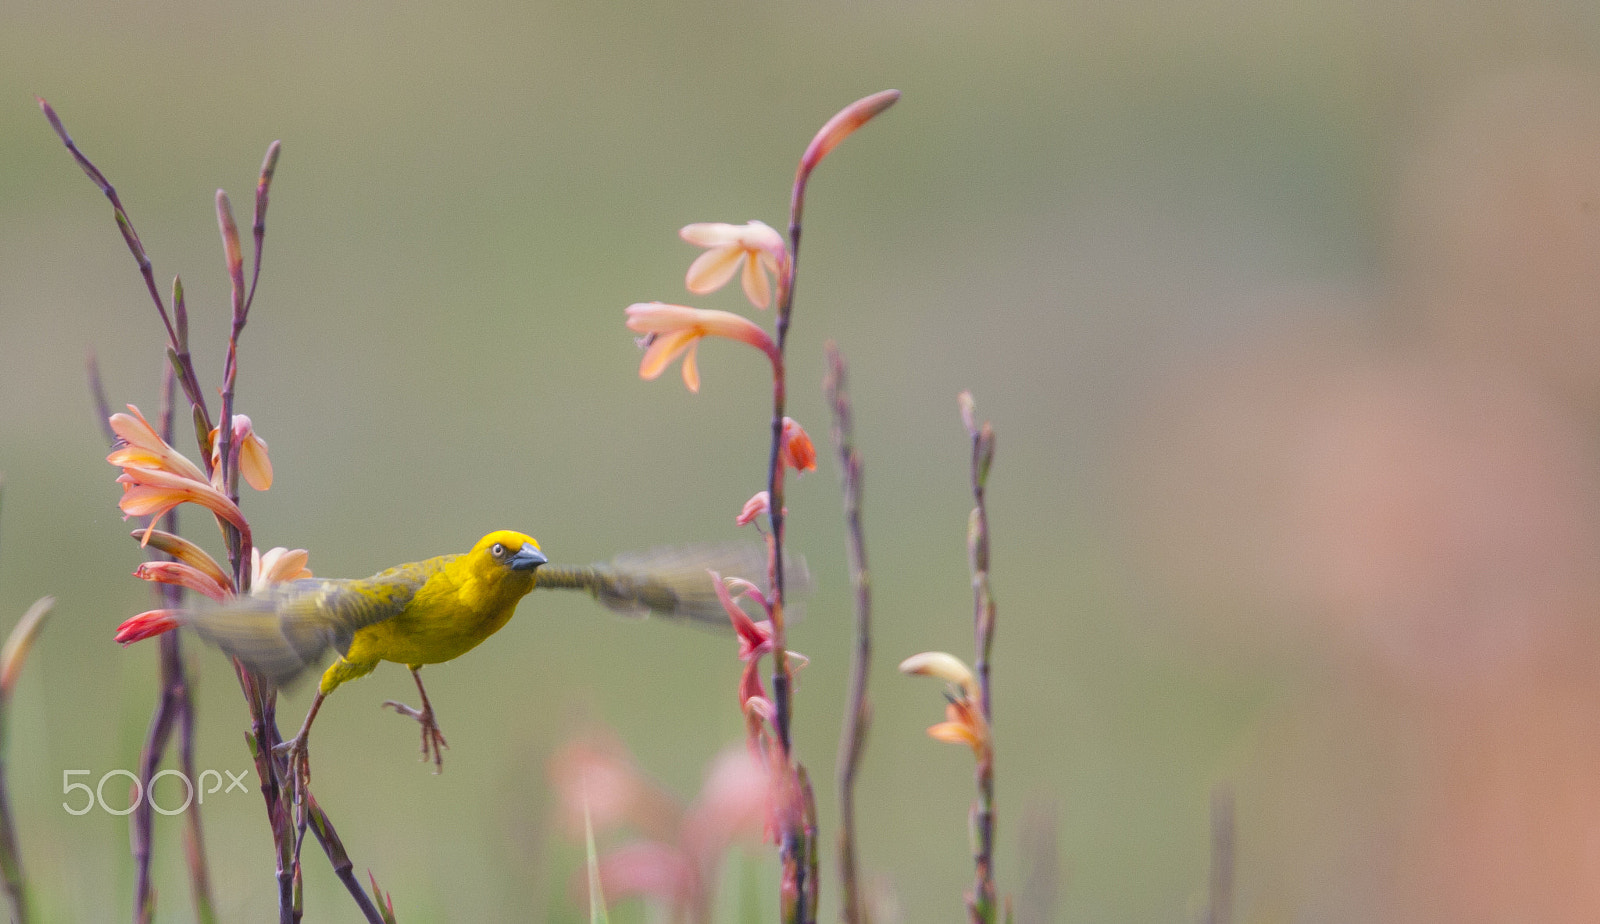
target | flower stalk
[
  {"x": 858, "y": 712},
  {"x": 981, "y": 903},
  {"x": 157, "y": 490}
]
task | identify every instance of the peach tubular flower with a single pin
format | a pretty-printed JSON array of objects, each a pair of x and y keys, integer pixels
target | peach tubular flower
[
  {"x": 140, "y": 446},
  {"x": 277, "y": 566},
  {"x": 676, "y": 329},
  {"x": 153, "y": 492},
  {"x": 796, "y": 447},
  {"x": 964, "y": 722},
  {"x": 185, "y": 551},
  {"x": 754, "y": 246},
  {"x": 185, "y": 575},
  {"x": 254, "y": 464}
]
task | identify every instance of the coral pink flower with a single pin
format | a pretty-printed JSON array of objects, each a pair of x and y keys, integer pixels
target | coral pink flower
[
  {"x": 185, "y": 575},
  {"x": 758, "y": 504},
  {"x": 754, "y": 246},
  {"x": 676, "y": 329},
  {"x": 147, "y": 625},
  {"x": 796, "y": 448}
]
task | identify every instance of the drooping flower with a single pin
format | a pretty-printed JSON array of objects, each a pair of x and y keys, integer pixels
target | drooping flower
[
  {"x": 964, "y": 722},
  {"x": 254, "y": 464},
  {"x": 186, "y": 552},
  {"x": 676, "y": 329},
  {"x": 754, "y": 246},
  {"x": 183, "y": 574},
  {"x": 796, "y": 448},
  {"x": 755, "y": 640},
  {"x": 153, "y": 492}
]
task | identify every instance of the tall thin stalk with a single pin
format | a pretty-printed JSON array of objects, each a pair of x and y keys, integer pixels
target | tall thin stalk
[
  {"x": 858, "y": 711},
  {"x": 981, "y": 904}
]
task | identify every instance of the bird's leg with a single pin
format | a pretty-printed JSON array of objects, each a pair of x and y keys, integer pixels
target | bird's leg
[
  {"x": 299, "y": 751},
  {"x": 432, "y": 739}
]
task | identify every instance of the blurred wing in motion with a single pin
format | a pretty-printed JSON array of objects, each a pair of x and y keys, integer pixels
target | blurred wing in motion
[
  {"x": 286, "y": 628},
  {"x": 672, "y": 583}
]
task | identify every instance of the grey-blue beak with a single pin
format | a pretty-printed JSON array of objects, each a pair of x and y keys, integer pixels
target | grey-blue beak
[{"x": 527, "y": 558}]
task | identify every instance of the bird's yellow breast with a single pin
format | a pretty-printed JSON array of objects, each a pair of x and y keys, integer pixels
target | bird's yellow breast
[{"x": 466, "y": 599}]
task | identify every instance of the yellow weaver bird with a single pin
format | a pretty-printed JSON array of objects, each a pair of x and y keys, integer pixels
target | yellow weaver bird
[{"x": 432, "y": 611}]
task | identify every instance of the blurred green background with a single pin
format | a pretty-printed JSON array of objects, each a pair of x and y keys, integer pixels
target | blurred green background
[{"x": 1073, "y": 208}]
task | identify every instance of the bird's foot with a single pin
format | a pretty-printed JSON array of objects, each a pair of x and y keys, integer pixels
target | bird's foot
[
  {"x": 433, "y": 742},
  {"x": 298, "y": 750}
]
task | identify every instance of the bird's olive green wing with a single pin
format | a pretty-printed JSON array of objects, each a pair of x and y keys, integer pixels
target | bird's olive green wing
[
  {"x": 673, "y": 583},
  {"x": 285, "y": 628}
]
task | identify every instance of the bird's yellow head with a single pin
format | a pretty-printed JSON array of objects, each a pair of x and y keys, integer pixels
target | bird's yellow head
[{"x": 506, "y": 552}]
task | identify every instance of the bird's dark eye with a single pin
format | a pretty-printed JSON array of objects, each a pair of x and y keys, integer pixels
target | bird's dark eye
[{"x": 498, "y": 550}]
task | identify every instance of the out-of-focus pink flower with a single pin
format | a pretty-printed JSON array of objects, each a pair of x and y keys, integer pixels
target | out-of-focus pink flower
[
  {"x": 758, "y": 504},
  {"x": 678, "y": 865},
  {"x": 598, "y": 772},
  {"x": 754, "y": 246},
  {"x": 676, "y": 330},
  {"x": 651, "y": 869},
  {"x": 277, "y": 566},
  {"x": 796, "y": 448},
  {"x": 734, "y": 805},
  {"x": 254, "y": 464}
]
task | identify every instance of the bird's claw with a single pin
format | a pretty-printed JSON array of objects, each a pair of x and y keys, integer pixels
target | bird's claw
[
  {"x": 433, "y": 742},
  {"x": 299, "y": 752}
]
